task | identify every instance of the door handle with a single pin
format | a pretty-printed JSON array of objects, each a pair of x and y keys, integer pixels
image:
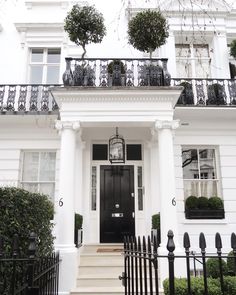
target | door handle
[{"x": 117, "y": 214}]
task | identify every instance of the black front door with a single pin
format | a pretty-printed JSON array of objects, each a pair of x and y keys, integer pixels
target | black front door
[{"x": 116, "y": 203}]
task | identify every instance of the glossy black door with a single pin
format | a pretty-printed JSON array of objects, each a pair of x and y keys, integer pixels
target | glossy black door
[{"x": 116, "y": 203}]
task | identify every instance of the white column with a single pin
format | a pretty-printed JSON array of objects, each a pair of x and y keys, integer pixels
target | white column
[
  {"x": 168, "y": 212},
  {"x": 167, "y": 178},
  {"x": 65, "y": 207}
]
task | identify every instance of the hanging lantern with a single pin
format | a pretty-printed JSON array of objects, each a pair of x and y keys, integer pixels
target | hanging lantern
[{"x": 117, "y": 148}]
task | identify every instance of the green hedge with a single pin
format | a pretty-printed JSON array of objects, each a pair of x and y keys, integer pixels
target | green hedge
[
  {"x": 197, "y": 285},
  {"x": 156, "y": 221},
  {"x": 23, "y": 212},
  {"x": 193, "y": 202},
  {"x": 213, "y": 268},
  {"x": 78, "y": 221}
]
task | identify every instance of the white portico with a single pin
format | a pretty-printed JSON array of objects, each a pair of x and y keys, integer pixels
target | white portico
[{"x": 88, "y": 115}]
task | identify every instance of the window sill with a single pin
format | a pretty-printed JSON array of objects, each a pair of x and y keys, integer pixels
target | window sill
[{"x": 204, "y": 221}]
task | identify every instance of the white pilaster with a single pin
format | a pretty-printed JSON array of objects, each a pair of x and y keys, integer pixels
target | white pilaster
[
  {"x": 65, "y": 207},
  {"x": 167, "y": 178},
  {"x": 220, "y": 62}
]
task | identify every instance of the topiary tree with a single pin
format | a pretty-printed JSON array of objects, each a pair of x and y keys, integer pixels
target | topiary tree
[
  {"x": 147, "y": 31},
  {"x": 23, "y": 212},
  {"x": 85, "y": 25},
  {"x": 202, "y": 203}
]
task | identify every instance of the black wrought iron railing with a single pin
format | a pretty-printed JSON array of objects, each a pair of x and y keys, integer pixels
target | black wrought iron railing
[
  {"x": 141, "y": 274},
  {"x": 27, "y": 99},
  {"x": 28, "y": 275},
  {"x": 206, "y": 92},
  {"x": 116, "y": 72}
]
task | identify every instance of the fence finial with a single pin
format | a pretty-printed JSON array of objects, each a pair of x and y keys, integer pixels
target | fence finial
[
  {"x": 186, "y": 241},
  {"x": 218, "y": 242},
  {"x": 202, "y": 242},
  {"x": 32, "y": 245},
  {"x": 170, "y": 243},
  {"x": 15, "y": 245},
  {"x": 233, "y": 241}
]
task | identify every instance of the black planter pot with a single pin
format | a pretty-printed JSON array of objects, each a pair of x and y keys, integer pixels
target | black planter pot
[{"x": 204, "y": 213}]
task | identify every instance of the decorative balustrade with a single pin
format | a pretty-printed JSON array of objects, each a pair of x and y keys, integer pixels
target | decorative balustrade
[
  {"x": 27, "y": 99},
  {"x": 33, "y": 99},
  {"x": 206, "y": 92},
  {"x": 109, "y": 72}
]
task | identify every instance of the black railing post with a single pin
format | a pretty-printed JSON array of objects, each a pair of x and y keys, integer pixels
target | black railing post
[
  {"x": 14, "y": 256},
  {"x": 31, "y": 251},
  {"x": 233, "y": 246},
  {"x": 155, "y": 263},
  {"x": 187, "y": 252},
  {"x": 171, "y": 257},
  {"x": 218, "y": 245},
  {"x": 202, "y": 246}
]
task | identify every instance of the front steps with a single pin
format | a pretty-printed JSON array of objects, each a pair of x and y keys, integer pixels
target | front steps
[{"x": 99, "y": 272}]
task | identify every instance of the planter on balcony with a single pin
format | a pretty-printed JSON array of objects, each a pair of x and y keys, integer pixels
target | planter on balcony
[
  {"x": 216, "y": 94},
  {"x": 186, "y": 97},
  {"x": 204, "y": 213},
  {"x": 116, "y": 73},
  {"x": 83, "y": 75}
]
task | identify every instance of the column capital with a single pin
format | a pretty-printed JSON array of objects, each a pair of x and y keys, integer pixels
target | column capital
[
  {"x": 166, "y": 124},
  {"x": 74, "y": 125}
]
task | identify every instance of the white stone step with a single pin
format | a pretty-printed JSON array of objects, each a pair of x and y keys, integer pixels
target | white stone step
[
  {"x": 101, "y": 259},
  {"x": 99, "y": 280},
  {"x": 98, "y": 291},
  {"x": 92, "y": 248},
  {"x": 92, "y": 270}
]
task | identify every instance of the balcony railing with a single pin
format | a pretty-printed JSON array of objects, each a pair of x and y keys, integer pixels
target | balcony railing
[
  {"x": 27, "y": 99},
  {"x": 109, "y": 72},
  {"x": 206, "y": 92}
]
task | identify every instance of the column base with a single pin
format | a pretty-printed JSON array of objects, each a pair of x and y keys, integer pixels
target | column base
[{"x": 68, "y": 268}]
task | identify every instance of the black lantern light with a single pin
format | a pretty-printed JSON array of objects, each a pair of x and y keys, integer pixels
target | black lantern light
[{"x": 117, "y": 148}]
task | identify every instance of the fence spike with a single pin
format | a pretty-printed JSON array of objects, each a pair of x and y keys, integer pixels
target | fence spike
[
  {"x": 32, "y": 245},
  {"x": 170, "y": 243},
  {"x": 139, "y": 244},
  {"x": 15, "y": 245},
  {"x": 154, "y": 244},
  {"x": 233, "y": 241},
  {"x": 144, "y": 244},
  {"x": 218, "y": 242},
  {"x": 202, "y": 242},
  {"x": 149, "y": 245},
  {"x": 186, "y": 241}
]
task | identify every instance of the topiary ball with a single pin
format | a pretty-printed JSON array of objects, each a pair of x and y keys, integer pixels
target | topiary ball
[
  {"x": 233, "y": 48},
  {"x": 202, "y": 203},
  {"x": 191, "y": 202},
  {"x": 213, "y": 268},
  {"x": 215, "y": 203}
]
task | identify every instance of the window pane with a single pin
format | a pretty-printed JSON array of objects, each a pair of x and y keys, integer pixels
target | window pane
[
  {"x": 208, "y": 188},
  {"x": 31, "y": 187},
  {"x": 191, "y": 188},
  {"x": 47, "y": 189},
  {"x": 36, "y": 74},
  {"x": 47, "y": 166},
  {"x": 190, "y": 164},
  {"x": 134, "y": 152},
  {"x": 202, "y": 68},
  {"x": 37, "y": 55},
  {"x": 94, "y": 188},
  {"x": 54, "y": 55},
  {"x": 100, "y": 152},
  {"x": 207, "y": 164},
  {"x": 182, "y": 51},
  {"x": 30, "y": 166},
  {"x": 52, "y": 74},
  {"x": 184, "y": 68},
  {"x": 140, "y": 199},
  {"x": 201, "y": 51}
]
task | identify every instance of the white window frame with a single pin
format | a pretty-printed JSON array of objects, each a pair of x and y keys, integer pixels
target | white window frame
[
  {"x": 217, "y": 169},
  {"x": 43, "y": 63},
  {"x": 192, "y": 59},
  {"x": 38, "y": 182}
]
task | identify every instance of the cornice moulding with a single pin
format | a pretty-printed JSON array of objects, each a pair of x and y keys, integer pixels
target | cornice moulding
[{"x": 29, "y": 26}]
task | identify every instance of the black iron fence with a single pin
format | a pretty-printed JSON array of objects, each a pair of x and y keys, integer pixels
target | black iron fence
[
  {"x": 28, "y": 276},
  {"x": 141, "y": 271}
]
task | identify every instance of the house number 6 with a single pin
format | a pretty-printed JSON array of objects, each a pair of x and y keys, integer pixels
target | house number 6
[
  {"x": 61, "y": 202},
  {"x": 173, "y": 202}
]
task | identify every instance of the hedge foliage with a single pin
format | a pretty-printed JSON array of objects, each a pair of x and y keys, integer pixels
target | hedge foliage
[
  {"x": 156, "y": 221},
  {"x": 213, "y": 268},
  {"x": 23, "y": 212},
  {"x": 193, "y": 202},
  {"x": 197, "y": 286}
]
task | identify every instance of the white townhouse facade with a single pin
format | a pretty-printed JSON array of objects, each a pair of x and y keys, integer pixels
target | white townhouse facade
[{"x": 179, "y": 130}]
